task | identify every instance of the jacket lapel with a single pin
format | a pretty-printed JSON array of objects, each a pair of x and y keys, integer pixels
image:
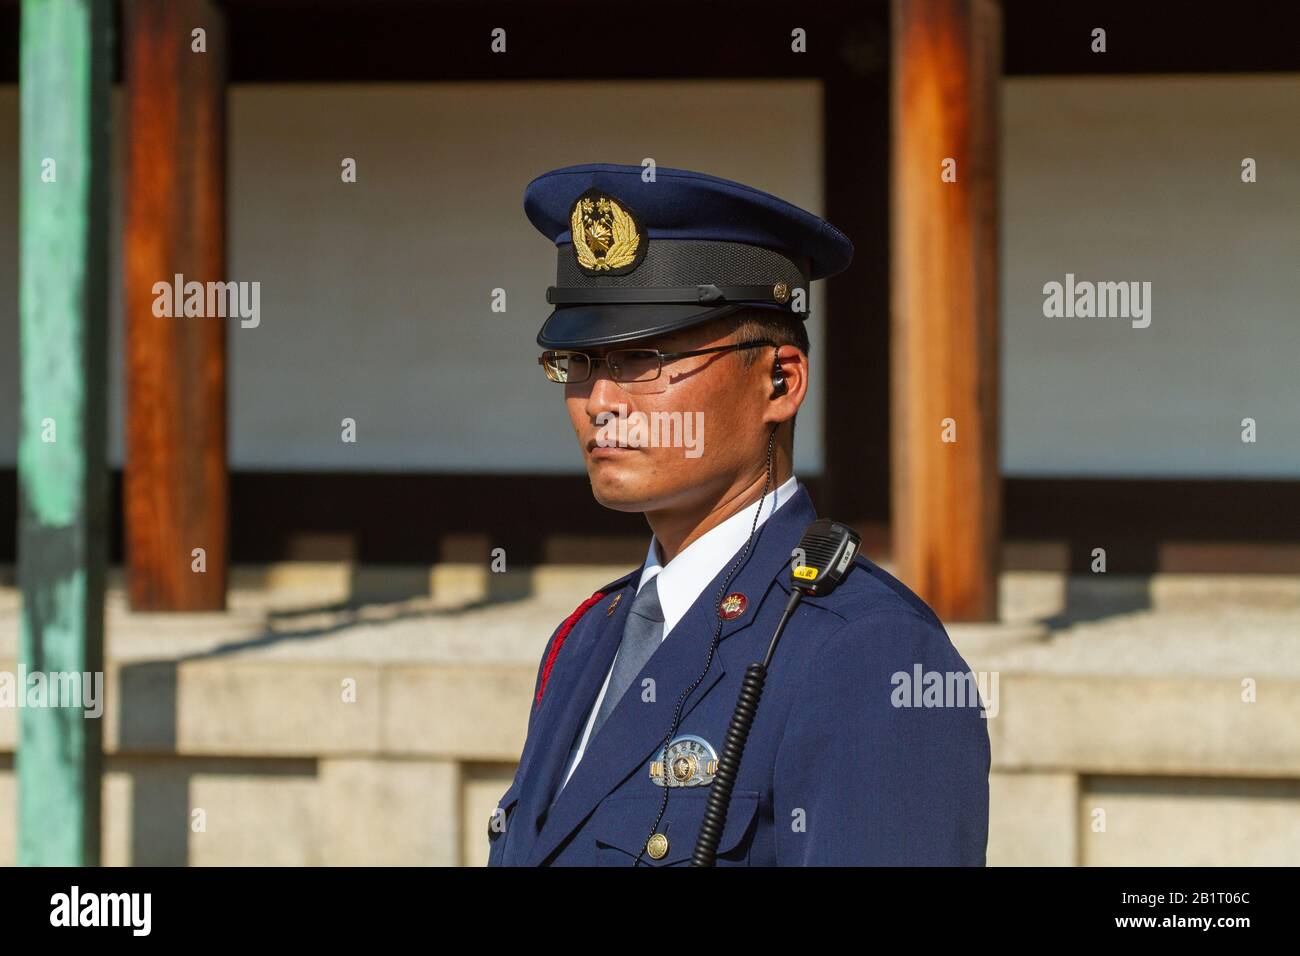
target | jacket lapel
[
  {"x": 579, "y": 671},
  {"x": 635, "y": 729}
]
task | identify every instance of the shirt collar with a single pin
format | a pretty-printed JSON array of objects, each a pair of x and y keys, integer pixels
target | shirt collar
[{"x": 686, "y": 575}]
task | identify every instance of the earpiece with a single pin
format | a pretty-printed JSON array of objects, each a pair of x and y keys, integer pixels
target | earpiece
[{"x": 779, "y": 387}]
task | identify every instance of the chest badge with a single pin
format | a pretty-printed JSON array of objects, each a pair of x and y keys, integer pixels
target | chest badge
[
  {"x": 732, "y": 606},
  {"x": 691, "y": 761}
]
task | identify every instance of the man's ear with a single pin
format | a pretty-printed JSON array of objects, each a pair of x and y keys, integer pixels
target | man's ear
[{"x": 784, "y": 402}]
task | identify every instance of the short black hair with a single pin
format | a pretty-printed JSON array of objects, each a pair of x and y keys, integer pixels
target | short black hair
[{"x": 783, "y": 328}]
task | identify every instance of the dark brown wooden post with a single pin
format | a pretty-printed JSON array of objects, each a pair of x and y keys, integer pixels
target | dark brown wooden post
[
  {"x": 175, "y": 481},
  {"x": 946, "y": 481}
]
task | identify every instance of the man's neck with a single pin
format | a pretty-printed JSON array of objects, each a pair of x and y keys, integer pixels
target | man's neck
[{"x": 676, "y": 530}]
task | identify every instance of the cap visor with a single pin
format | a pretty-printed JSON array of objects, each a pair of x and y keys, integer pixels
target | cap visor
[{"x": 585, "y": 326}]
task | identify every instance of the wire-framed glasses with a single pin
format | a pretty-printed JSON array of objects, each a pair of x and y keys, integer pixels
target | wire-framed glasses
[{"x": 628, "y": 367}]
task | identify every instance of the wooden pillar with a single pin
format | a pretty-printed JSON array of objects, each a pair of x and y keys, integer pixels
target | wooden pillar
[
  {"x": 946, "y": 493},
  {"x": 64, "y": 75},
  {"x": 175, "y": 485}
]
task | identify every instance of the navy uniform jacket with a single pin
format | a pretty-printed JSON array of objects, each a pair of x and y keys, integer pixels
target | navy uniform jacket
[{"x": 833, "y": 774}]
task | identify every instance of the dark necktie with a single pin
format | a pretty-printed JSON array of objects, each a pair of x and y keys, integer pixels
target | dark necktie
[{"x": 641, "y": 636}]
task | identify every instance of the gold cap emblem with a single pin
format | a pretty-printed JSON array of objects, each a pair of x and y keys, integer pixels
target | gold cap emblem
[{"x": 606, "y": 237}]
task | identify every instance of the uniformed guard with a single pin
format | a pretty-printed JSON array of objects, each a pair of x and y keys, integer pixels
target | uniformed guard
[{"x": 678, "y": 342}]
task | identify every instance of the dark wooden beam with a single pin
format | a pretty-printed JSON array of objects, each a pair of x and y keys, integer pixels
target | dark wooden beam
[
  {"x": 175, "y": 489},
  {"x": 390, "y": 41},
  {"x": 1147, "y": 525},
  {"x": 1153, "y": 36},
  {"x": 370, "y": 41},
  {"x": 946, "y": 485}
]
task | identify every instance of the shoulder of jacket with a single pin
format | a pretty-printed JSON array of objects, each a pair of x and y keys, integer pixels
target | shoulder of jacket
[
  {"x": 869, "y": 592},
  {"x": 567, "y": 625}
]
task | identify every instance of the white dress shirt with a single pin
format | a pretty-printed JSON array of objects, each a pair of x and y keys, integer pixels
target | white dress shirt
[{"x": 684, "y": 577}]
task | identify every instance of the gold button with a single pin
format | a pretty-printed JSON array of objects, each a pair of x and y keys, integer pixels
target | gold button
[
  {"x": 780, "y": 292},
  {"x": 657, "y": 846}
]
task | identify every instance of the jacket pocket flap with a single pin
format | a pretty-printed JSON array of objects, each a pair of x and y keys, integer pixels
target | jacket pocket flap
[{"x": 624, "y": 822}]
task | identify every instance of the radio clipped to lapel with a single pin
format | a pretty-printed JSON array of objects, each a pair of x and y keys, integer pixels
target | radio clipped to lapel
[{"x": 823, "y": 557}]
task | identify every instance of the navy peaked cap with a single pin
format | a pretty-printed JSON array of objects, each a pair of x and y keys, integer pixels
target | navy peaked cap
[{"x": 641, "y": 258}]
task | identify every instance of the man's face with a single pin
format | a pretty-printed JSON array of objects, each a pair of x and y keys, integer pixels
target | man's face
[{"x": 698, "y": 430}]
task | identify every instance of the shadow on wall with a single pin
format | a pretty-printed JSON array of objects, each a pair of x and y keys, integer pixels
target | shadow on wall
[
  {"x": 161, "y": 784},
  {"x": 1092, "y": 598}
]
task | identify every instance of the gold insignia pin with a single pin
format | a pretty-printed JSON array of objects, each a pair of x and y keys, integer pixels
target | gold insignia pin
[
  {"x": 613, "y": 604},
  {"x": 606, "y": 237}
]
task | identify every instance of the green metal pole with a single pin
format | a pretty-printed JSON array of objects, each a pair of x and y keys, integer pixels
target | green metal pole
[{"x": 64, "y": 76}]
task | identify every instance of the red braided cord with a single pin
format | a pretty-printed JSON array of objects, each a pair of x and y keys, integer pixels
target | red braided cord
[{"x": 560, "y": 637}]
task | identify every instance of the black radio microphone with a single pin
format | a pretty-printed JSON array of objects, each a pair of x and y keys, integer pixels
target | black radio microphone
[{"x": 820, "y": 563}]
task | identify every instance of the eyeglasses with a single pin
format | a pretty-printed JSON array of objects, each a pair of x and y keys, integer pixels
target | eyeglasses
[{"x": 635, "y": 367}]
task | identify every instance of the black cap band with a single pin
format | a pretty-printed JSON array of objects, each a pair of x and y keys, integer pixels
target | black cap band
[
  {"x": 689, "y": 262},
  {"x": 707, "y": 294}
]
